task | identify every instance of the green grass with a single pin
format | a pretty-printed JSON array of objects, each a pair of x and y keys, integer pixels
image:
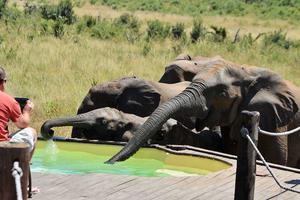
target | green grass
[
  {"x": 267, "y": 9},
  {"x": 57, "y": 72}
]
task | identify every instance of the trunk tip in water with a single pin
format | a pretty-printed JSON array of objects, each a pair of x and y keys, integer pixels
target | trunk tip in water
[{"x": 46, "y": 132}]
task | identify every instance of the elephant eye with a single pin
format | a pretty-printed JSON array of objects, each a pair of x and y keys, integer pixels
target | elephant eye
[
  {"x": 104, "y": 121},
  {"x": 195, "y": 63},
  {"x": 223, "y": 94},
  {"x": 120, "y": 125}
]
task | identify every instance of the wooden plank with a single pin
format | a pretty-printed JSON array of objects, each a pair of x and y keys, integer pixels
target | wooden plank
[{"x": 218, "y": 185}]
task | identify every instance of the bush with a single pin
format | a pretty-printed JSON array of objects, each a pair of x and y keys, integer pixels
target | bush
[
  {"x": 277, "y": 38},
  {"x": 58, "y": 29},
  {"x": 178, "y": 30},
  {"x": 3, "y": 4},
  {"x": 64, "y": 10},
  {"x": 105, "y": 29},
  {"x": 129, "y": 22},
  {"x": 130, "y": 26},
  {"x": 246, "y": 41},
  {"x": 157, "y": 29},
  {"x": 86, "y": 22},
  {"x": 198, "y": 30},
  {"x": 30, "y": 8},
  {"x": 219, "y": 34}
]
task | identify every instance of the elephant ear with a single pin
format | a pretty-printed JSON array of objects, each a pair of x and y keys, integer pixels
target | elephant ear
[
  {"x": 272, "y": 98},
  {"x": 270, "y": 95},
  {"x": 138, "y": 97},
  {"x": 183, "y": 57}
]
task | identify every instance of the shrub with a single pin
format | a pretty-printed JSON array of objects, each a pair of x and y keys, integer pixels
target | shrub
[
  {"x": 30, "y": 8},
  {"x": 177, "y": 30},
  {"x": 3, "y": 4},
  {"x": 58, "y": 29},
  {"x": 246, "y": 41},
  {"x": 198, "y": 30},
  {"x": 129, "y": 25},
  {"x": 277, "y": 38},
  {"x": 146, "y": 48},
  {"x": 219, "y": 34},
  {"x": 157, "y": 29},
  {"x": 128, "y": 21},
  {"x": 45, "y": 27},
  {"x": 86, "y": 22},
  {"x": 105, "y": 29},
  {"x": 64, "y": 10},
  {"x": 93, "y": 2}
]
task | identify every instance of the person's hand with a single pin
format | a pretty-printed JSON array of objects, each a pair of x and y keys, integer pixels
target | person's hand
[{"x": 28, "y": 107}]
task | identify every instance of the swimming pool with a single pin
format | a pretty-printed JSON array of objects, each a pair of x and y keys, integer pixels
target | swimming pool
[{"x": 83, "y": 158}]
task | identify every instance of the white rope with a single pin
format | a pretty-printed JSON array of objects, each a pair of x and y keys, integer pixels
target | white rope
[
  {"x": 244, "y": 133},
  {"x": 17, "y": 173},
  {"x": 278, "y": 134}
]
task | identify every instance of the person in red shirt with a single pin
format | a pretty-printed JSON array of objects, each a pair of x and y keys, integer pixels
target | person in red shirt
[{"x": 10, "y": 110}]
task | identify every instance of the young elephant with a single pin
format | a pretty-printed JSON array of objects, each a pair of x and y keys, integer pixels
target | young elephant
[
  {"x": 218, "y": 94},
  {"x": 110, "y": 124},
  {"x": 131, "y": 95}
]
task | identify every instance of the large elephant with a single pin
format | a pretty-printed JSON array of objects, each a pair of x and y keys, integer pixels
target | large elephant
[
  {"x": 216, "y": 97},
  {"x": 110, "y": 124}
]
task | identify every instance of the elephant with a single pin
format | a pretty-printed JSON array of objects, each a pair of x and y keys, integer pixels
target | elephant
[
  {"x": 110, "y": 124},
  {"x": 131, "y": 95},
  {"x": 105, "y": 123},
  {"x": 216, "y": 97},
  {"x": 184, "y": 68},
  {"x": 140, "y": 97}
]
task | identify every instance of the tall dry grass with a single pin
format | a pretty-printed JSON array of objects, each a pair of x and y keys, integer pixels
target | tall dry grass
[{"x": 57, "y": 73}]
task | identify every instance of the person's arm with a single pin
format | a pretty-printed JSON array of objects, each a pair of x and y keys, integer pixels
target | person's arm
[{"x": 24, "y": 120}]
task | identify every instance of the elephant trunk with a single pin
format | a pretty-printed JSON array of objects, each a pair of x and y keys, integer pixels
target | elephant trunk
[
  {"x": 80, "y": 120},
  {"x": 190, "y": 101}
]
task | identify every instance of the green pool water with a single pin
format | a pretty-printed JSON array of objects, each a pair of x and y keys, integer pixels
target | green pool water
[{"x": 83, "y": 158}]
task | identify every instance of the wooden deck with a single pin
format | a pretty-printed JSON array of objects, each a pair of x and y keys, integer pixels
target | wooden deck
[{"x": 218, "y": 185}]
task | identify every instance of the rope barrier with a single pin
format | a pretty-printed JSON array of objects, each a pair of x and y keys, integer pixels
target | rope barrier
[
  {"x": 17, "y": 173},
  {"x": 245, "y": 133},
  {"x": 278, "y": 134}
]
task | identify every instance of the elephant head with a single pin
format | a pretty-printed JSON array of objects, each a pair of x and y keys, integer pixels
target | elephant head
[
  {"x": 184, "y": 68},
  {"x": 99, "y": 124},
  {"x": 216, "y": 97},
  {"x": 130, "y": 95}
]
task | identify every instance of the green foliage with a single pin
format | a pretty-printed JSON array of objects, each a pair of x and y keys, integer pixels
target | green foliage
[
  {"x": 177, "y": 30},
  {"x": 198, "y": 31},
  {"x": 219, "y": 34},
  {"x": 157, "y": 30},
  {"x": 277, "y": 38},
  {"x": 128, "y": 21},
  {"x": 30, "y": 8},
  {"x": 105, "y": 29},
  {"x": 130, "y": 26},
  {"x": 58, "y": 29},
  {"x": 146, "y": 48},
  {"x": 269, "y": 9},
  {"x": 2, "y": 7},
  {"x": 93, "y": 2},
  {"x": 246, "y": 41},
  {"x": 86, "y": 22},
  {"x": 64, "y": 10},
  {"x": 45, "y": 27}
]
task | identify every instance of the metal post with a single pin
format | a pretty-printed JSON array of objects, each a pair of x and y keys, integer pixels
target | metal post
[{"x": 246, "y": 161}]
